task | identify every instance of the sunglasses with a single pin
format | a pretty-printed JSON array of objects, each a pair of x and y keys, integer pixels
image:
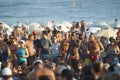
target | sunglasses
[{"x": 21, "y": 42}]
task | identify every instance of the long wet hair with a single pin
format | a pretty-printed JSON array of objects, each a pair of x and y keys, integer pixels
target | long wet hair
[{"x": 95, "y": 38}]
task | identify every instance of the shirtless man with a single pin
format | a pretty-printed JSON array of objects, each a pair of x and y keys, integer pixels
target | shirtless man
[
  {"x": 30, "y": 47},
  {"x": 42, "y": 72},
  {"x": 38, "y": 64}
]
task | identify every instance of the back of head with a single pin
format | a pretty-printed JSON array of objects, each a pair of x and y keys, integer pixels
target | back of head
[
  {"x": 23, "y": 76},
  {"x": 111, "y": 68},
  {"x": 45, "y": 77},
  {"x": 97, "y": 67},
  {"x": 6, "y": 73},
  {"x": 38, "y": 64},
  {"x": 67, "y": 74},
  {"x": 111, "y": 39},
  {"x": 41, "y": 74},
  {"x": 87, "y": 70},
  {"x": 44, "y": 74},
  {"x": 90, "y": 77}
]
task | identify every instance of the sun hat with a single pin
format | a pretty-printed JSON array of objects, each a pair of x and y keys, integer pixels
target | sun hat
[{"x": 6, "y": 72}]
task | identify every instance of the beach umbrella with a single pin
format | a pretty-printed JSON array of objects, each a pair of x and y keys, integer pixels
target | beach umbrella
[
  {"x": 50, "y": 25},
  {"x": 67, "y": 24},
  {"x": 94, "y": 29},
  {"x": 7, "y": 27},
  {"x": 35, "y": 27},
  {"x": 107, "y": 33},
  {"x": 17, "y": 25},
  {"x": 61, "y": 27}
]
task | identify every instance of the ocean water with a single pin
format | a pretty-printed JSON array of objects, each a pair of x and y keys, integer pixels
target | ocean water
[{"x": 28, "y": 11}]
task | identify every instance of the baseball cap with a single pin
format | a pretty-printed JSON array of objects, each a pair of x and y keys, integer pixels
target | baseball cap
[
  {"x": 106, "y": 65},
  {"x": 22, "y": 41},
  {"x": 6, "y": 72},
  {"x": 37, "y": 61}
]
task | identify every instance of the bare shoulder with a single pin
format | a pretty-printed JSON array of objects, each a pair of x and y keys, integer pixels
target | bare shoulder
[
  {"x": 27, "y": 42},
  {"x": 45, "y": 72}
]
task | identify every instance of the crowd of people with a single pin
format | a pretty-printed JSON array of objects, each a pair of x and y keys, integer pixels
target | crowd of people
[{"x": 58, "y": 55}]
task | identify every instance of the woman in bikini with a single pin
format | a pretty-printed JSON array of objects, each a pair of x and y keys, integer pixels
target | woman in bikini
[
  {"x": 94, "y": 48},
  {"x": 112, "y": 48}
]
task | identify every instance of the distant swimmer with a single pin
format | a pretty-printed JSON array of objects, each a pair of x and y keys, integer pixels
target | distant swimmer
[
  {"x": 74, "y": 4},
  {"x": 115, "y": 24},
  {"x": 81, "y": 3}
]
